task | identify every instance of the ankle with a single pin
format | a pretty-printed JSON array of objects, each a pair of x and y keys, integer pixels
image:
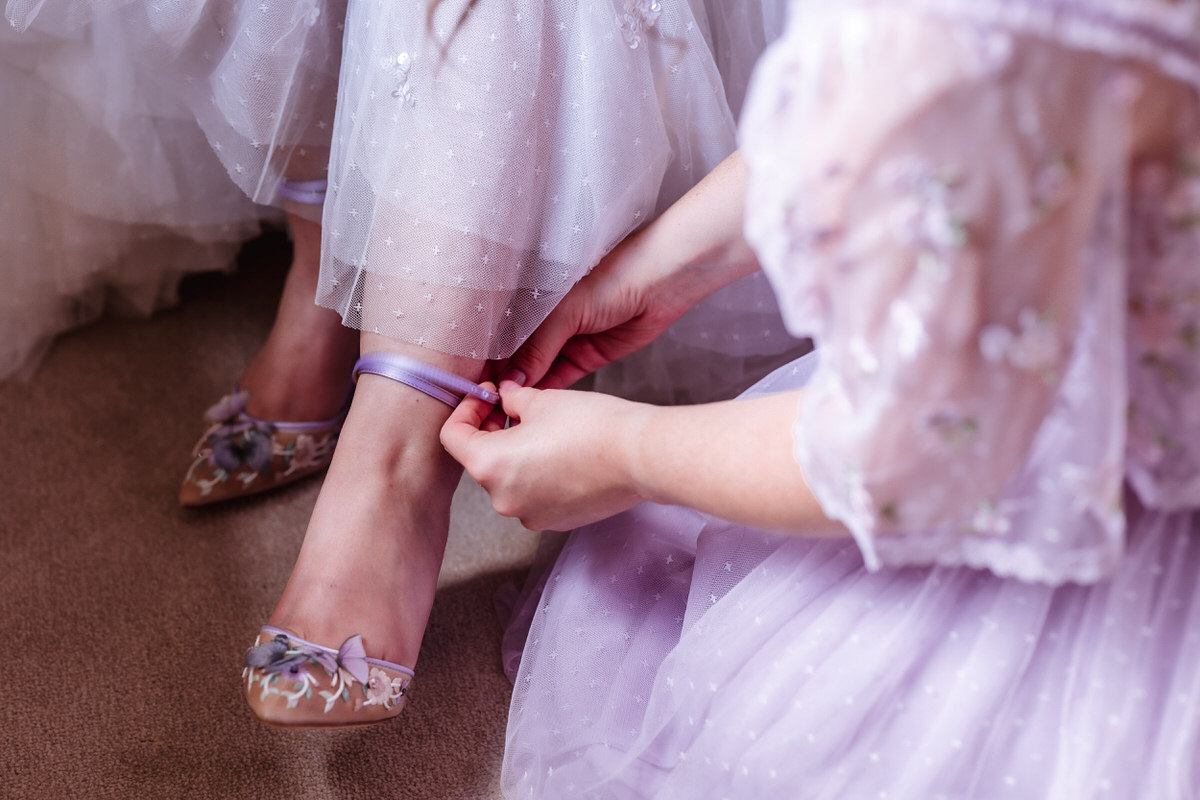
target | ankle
[
  {"x": 406, "y": 453},
  {"x": 295, "y": 384}
]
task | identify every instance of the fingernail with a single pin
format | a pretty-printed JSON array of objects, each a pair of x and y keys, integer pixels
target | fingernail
[{"x": 516, "y": 376}]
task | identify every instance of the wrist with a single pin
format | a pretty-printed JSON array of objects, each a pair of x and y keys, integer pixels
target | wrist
[
  {"x": 635, "y": 448},
  {"x": 692, "y": 264}
]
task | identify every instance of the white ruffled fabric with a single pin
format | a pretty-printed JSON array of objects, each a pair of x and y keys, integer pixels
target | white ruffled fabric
[
  {"x": 259, "y": 78},
  {"x": 109, "y": 193}
]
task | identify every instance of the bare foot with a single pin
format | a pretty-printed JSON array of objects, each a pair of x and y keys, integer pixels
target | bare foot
[{"x": 302, "y": 372}]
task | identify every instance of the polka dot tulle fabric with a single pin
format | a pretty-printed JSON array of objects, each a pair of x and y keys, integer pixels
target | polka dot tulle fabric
[{"x": 481, "y": 157}]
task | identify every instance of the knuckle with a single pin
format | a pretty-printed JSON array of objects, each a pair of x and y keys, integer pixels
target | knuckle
[
  {"x": 533, "y": 352},
  {"x": 483, "y": 469}
]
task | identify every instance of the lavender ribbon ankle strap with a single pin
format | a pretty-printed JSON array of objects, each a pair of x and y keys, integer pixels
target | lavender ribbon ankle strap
[
  {"x": 433, "y": 381},
  {"x": 307, "y": 192}
]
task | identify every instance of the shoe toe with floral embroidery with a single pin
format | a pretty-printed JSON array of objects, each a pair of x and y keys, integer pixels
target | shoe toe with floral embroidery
[
  {"x": 294, "y": 683},
  {"x": 240, "y": 454}
]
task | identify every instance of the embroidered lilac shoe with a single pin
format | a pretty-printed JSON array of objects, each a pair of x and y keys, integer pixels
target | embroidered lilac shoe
[
  {"x": 241, "y": 455},
  {"x": 294, "y": 683}
]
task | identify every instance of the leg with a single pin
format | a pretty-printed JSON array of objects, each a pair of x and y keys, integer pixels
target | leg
[
  {"x": 302, "y": 371},
  {"x": 373, "y": 549},
  {"x": 285, "y": 423}
]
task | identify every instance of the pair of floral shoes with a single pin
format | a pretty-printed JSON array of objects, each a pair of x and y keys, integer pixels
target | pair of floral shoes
[{"x": 292, "y": 682}]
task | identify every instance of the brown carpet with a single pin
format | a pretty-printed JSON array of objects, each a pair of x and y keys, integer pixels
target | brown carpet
[{"x": 125, "y": 617}]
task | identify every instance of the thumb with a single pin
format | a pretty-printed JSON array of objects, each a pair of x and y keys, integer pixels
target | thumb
[
  {"x": 515, "y": 399},
  {"x": 463, "y": 427}
]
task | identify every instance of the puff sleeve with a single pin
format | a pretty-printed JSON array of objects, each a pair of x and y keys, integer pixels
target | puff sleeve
[{"x": 940, "y": 218}]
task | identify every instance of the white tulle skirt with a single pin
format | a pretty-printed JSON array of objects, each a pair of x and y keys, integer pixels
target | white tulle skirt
[
  {"x": 482, "y": 163},
  {"x": 109, "y": 192}
]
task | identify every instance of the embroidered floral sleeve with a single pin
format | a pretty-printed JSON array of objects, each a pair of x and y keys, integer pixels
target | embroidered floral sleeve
[{"x": 941, "y": 219}]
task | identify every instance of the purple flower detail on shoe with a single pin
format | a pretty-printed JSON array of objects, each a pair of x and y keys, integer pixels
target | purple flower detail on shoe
[
  {"x": 235, "y": 445},
  {"x": 238, "y": 440},
  {"x": 228, "y": 407},
  {"x": 278, "y": 657},
  {"x": 264, "y": 655},
  {"x": 290, "y": 667},
  {"x": 352, "y": 658},
  {"x": 282, "y": 655}
]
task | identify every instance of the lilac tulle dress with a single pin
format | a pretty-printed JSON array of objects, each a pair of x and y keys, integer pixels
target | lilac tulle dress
[
  {"x": 480, "y": 157},
  {"x": 986, "y": 214}
]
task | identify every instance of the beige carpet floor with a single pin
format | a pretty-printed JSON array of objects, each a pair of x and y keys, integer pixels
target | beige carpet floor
[{"x": 125, "y": 617}]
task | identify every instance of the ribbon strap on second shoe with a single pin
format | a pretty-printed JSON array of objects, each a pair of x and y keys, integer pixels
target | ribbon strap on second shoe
[
  {"x": 306, "y": 192},
  {"x": 433, "y": 381}
]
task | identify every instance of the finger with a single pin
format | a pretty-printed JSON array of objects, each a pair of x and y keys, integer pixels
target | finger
[
  {"x": 515, "y": 399},
  {"x": 495, "y": 421},
  {"x": 464, "y": 425},
  {"x": 578, "y": 359},
  {"x": 542, "y": 347}
]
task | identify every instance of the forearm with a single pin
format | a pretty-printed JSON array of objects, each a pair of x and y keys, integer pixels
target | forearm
[
  {"x": 646, "y": 283},
  {"x": 732, "y": 459},
  {"x": 698, "y": 244}
]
